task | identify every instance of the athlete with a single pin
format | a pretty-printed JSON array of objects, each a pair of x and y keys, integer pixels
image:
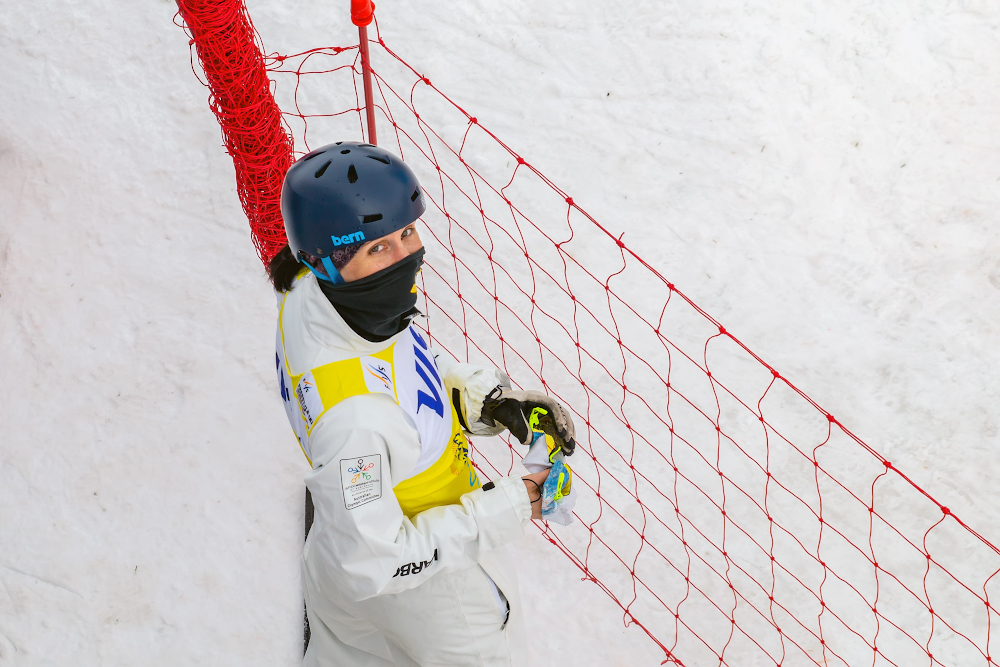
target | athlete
[{"x": 405, "y": 563}]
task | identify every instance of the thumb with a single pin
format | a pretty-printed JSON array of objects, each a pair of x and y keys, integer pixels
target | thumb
[{"x": 508, "y": 413}]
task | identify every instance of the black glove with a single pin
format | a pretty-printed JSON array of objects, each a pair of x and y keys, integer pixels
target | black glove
[{"x": 513, "y": 409}]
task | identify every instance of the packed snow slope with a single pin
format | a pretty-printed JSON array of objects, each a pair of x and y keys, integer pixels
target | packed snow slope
[{"x": 822, "y": 177}]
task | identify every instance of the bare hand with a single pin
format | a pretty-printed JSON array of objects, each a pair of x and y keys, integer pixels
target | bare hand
[{"x": 534, "y": 483}]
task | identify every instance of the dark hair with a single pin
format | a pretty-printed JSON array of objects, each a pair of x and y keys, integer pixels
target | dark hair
[{"x": 282, "y": 269}]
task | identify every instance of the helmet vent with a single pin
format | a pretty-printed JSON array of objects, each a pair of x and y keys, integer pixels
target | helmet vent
[
  {"x": 352, "y": 174},
  {"x": 367, "y": 146},
  {"x": 338, "y": 143},
  {"x": 345, "y": 151},
  {"x": 312, "y": 155},
  {"x": 413, "y": 197},
  {"x": 374, "y": 217},
  {"x": 322, "y": 170},
  {"x": 383, "y": 160}
]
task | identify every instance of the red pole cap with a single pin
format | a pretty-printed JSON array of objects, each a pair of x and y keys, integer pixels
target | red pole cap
[{"x": 362, "y": 12}]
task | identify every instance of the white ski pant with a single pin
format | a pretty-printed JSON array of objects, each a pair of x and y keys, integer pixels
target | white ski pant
[{"x": 451, "y": 620}]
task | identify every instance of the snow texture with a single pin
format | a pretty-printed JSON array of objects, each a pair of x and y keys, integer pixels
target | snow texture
[{"x": 822, "y": 177}]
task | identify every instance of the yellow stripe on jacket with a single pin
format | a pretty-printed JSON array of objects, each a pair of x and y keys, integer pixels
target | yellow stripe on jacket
[{"x": 445, "y": 481}]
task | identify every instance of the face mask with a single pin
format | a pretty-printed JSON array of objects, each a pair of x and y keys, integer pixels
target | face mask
[{"x": 381, "y": 305}]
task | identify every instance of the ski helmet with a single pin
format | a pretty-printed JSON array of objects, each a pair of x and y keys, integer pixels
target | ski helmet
[{"x": 344, "y": 194}]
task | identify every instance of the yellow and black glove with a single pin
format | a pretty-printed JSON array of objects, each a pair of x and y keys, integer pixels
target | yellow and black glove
[{"x": 524, "y": 412}]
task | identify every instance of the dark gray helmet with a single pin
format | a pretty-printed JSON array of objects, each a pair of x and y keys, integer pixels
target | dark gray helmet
[{"x": 344, "y": 194}]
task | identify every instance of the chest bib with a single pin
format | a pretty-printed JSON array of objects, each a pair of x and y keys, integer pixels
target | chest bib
[{"x": 407, "y": 373}]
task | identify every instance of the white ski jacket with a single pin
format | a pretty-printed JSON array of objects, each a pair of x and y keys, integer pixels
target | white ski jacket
[{"x": 396, "y": 499}]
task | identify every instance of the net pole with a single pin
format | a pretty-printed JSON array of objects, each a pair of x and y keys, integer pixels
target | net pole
[
  {"x": 362, "y": 12},
  {"x": 367, "y": 76}
]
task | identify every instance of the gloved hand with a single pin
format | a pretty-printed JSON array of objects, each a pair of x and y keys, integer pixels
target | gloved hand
[
  {"x": 517, "y": 410},
  {"x": 467, "y": 385},
  {"x": 557, "y": 496}
]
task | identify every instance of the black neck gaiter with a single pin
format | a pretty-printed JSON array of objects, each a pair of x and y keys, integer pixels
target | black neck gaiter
[{"x": 379, "y": 306}]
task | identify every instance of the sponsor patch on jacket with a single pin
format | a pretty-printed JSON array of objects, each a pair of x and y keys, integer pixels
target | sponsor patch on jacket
[
  {"x": 378, "y": 375},
  {"x": 415, "y": 568},
  {"x": 361, "y": 478},
  {"x": 310, "y": 404}
]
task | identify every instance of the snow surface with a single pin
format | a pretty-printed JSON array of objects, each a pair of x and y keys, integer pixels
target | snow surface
[{"x": 821, "y": 177}]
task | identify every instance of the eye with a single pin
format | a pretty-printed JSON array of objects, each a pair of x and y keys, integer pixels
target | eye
[
  {"x": 378, "y": 247},
  {"x": 406, "y": 232}
]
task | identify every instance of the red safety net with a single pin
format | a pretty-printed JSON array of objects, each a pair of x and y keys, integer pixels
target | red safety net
[
  {"x": 730, "y": 517},
  {"x": 240, "y": 97}
]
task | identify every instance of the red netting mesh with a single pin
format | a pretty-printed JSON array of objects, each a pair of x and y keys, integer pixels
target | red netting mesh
[
  {"x": 731, "y": 518},
  {"x": 240, "y": 97}
]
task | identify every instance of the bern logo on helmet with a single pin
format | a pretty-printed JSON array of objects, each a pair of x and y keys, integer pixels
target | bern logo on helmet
[{"x": 348, "y": 238}]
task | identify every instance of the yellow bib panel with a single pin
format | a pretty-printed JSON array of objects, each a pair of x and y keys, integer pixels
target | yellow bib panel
[
  {"x": 451, "y": 477},
  {"x": 441, "y": 479}
]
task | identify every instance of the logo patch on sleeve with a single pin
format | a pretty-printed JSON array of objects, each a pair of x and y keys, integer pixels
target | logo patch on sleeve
[
  {"x": 362, "y": 480},
  {"x": 378, "y": 375},
  {"x": 310, "y": 404}
]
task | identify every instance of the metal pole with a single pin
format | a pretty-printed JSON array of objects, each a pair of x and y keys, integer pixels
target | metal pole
[{"x": 366, "y": 71}]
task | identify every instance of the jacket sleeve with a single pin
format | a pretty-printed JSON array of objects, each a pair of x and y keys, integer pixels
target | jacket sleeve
[
  {"x": 361, "y": 544},
  {"x": 467, "y": 385}
]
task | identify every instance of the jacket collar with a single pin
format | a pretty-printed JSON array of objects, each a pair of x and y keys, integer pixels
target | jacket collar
[{"x": 327, "y": 327}]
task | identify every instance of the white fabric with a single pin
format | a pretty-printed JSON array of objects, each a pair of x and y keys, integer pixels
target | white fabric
[
  {"x": 411, "y": 379},
  {"x": 373, "y": 578},
  {"x": 452, "y": 620},
  {"x": 474, "y": 383}
]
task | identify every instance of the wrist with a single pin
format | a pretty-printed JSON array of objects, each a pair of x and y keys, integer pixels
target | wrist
[
  {"x": 534, "y": 490},
  {"x": 533, "y": 485}
]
